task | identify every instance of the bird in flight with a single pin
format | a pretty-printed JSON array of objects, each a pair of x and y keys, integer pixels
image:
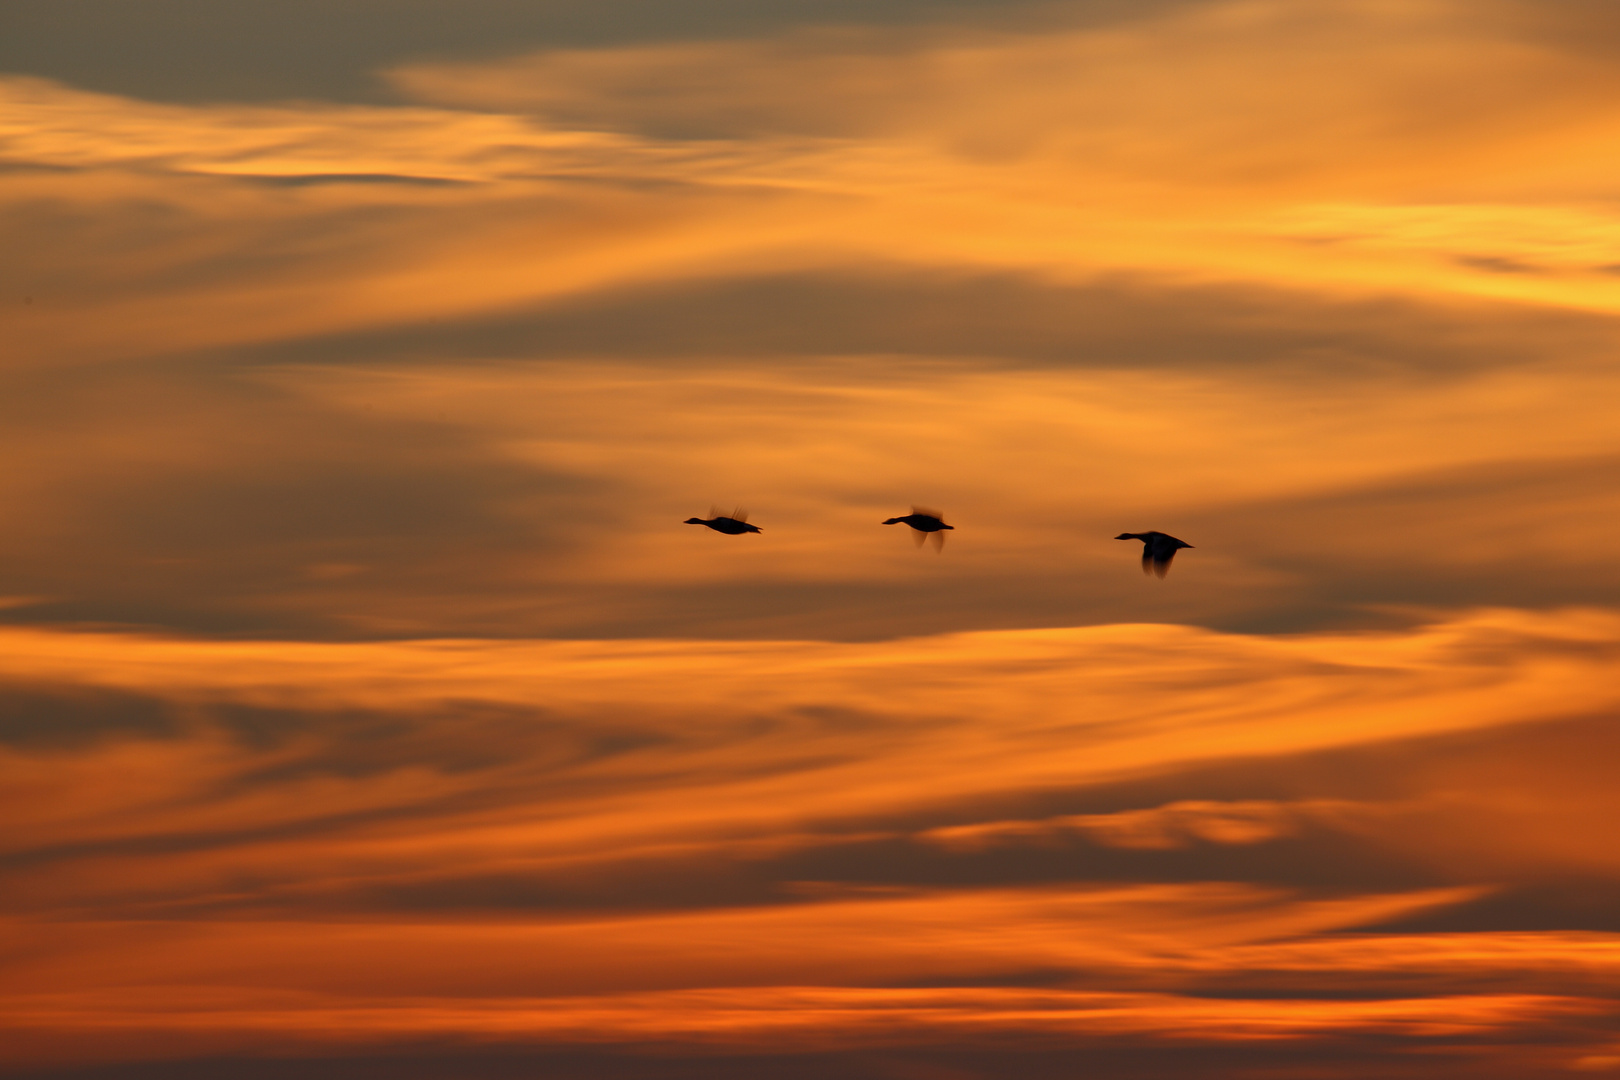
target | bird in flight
[
  {"x": 1157, "y": 550},
  {"x": 925, "y": 524},
  {"x": 734, "y": 525}
]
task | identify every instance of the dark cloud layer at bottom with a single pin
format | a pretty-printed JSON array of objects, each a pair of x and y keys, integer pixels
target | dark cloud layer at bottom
[{"x": 1355, "y": 1059}]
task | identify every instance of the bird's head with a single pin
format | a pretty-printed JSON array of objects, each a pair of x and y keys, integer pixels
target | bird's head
[
  {"x": 895, "y": 521},
  {"x": 1128, "y": 536},
  {"x": 695, "y": 521}
]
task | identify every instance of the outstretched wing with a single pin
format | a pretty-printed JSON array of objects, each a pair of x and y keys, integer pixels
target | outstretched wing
[
  {"x": 939, "y": 541},
  {"x": 1161, "y": 548}
]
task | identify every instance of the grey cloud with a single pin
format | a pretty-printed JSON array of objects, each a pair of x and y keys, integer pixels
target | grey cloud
[
  {"x": 494, "y": 757},
  {"x": 152, "y": 245},
  {"x": 962, "y": 1058},
  {"x": 1583, "y": 28},
  {"x": 288, "y": 744},
  {"x": 62, "y": 718},
  {"x": 251, "y": 509},
  {"x": 1499, "y": 264},
  {"x": 1509, "y": 534},
  {"x": 1321, "y": 863},
  {"x": 313, "y": 179},
  {"x": 1112, "y": 322},
  {"x": 201, "y": 50},
  {"x": 1574, "y": 903}
]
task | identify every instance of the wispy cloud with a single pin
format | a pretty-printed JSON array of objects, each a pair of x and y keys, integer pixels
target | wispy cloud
[{"x": 340, "y": 833}]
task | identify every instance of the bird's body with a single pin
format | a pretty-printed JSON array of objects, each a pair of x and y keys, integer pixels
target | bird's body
[
  {"x": 926, "y": 523},
  {"x": 733, "y": 525},
  {"x": 1157, "y": 550}
]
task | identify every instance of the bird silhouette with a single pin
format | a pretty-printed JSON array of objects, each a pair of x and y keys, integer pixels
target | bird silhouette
[
  {"x": 926, "y": 525},
  {"x": 1157, "y": 550},
  {"x": 734, "y": 525}
]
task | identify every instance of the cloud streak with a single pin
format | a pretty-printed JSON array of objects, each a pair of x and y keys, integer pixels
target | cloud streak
[{"x": 612, "y": 843}]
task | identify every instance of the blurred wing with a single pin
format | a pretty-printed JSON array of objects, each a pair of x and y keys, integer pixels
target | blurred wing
[
  {"x": 918, "y": 536},
  {"x": 1147, "y": 562},
  {"x": 930, "y": 513},
  {"x": 739, "y": 514},
  {"x": 1161, "y": 562},
  {"x": 939, "y": 542}
]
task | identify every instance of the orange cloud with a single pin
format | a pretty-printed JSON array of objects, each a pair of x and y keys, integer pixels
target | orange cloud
[
  {"x": 483, "y": 839},
  {"x": 1233, "y": 135}
]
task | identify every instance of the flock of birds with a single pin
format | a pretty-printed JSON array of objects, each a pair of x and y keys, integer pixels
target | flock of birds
[{"x": 1157, "y": 548}]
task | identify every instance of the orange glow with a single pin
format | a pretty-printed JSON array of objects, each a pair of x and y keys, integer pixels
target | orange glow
[{"x": 363, "y": 698}]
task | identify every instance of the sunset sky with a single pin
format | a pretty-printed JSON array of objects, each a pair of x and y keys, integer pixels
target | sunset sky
[{"x": 367, "y": 711}]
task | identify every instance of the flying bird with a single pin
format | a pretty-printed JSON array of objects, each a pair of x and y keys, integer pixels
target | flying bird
[
  {"x": 734, "y": 525},
  {"x": 925, "y": 524},
  {"x": 1157, "y": 550}
]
